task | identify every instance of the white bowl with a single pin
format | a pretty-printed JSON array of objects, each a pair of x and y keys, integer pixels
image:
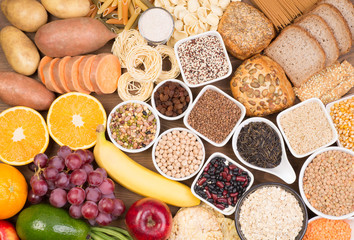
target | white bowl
[
  {"x": 242, "y": 115},
  {"x": 209, "y": 33},
  {"x": 284, "y": 170},
  {"x": 133, "y": 150},
  {"x": 184, "y": 86},
  {"x": 301, "y": 189},
  {"x": 154, "y": 159},
  {"x": 218, "y": 154},
  {"x": 333, "y": 140},
  {"x": 348, "y": 220},
  {"x": 330, "y": 105}
]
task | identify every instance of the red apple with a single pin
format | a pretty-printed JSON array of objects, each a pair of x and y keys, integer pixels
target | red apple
[
  {"x": 7, "y": 231},
  {"x": 149, "y": 219}
]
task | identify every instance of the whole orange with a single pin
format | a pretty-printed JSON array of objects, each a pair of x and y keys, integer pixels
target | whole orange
[{"x": 13, "y": 191}]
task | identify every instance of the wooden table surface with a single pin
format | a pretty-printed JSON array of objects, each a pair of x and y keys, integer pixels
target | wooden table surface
[{"x": 144, "y": 158}]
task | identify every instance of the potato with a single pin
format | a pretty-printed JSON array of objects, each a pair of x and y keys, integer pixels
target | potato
[
  {"x": 20, "y": 51},
  {"x": 19, "y": 90},
  {"x": 72, "y": 37},
  {"x": 67, "y": 8},
  {"x": 27, "y": 15}
]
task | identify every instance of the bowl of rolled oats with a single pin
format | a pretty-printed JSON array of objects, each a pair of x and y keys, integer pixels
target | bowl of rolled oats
[{"x": 271, "y": 211}]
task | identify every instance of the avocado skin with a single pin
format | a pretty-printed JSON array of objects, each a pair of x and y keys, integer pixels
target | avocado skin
[{"x": 44, "y": 222}]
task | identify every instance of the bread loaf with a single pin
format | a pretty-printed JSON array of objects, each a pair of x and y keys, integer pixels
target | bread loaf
[
  {"x": 245, "y": 30},
  {"x": 298, "y": 53},
  {"x": 261, "y": 86},
  {"x": 319, "y": 29},
  {"x": 337, "y": 23},
  {"x": 347, "y": 10}
]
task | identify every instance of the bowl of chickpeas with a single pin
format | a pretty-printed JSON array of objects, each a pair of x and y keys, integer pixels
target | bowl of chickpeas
[{"x": 178, "y": 154}]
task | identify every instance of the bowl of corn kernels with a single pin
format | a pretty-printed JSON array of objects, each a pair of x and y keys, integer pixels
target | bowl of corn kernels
[{"x": 342, "y": 112}]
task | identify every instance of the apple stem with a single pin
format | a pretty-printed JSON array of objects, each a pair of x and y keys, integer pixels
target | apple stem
[{"x": 151, "y": 222}]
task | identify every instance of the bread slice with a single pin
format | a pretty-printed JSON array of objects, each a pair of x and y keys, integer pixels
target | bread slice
[
  {"x": 319, "y": 29},
  {"x": 347, "y": 10},
  {"x": 299, "y": 54},
  {"x": 337, "y": 23}
]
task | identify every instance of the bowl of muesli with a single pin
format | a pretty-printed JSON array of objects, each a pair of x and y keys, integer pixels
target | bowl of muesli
[{"x": 271, "y": 211}]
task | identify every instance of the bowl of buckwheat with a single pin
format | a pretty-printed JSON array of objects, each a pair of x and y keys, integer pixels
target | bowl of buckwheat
[
  {"x": 133, "y": 126},
  {"x": 178, "y": 154}
]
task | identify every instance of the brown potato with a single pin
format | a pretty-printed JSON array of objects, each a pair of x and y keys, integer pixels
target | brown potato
[
  {"x": 19, "y": 90},
  {"x": 67, "y": 8},
  {"x": 20, "y": 51},
  {"x": 27, "y": 15}
]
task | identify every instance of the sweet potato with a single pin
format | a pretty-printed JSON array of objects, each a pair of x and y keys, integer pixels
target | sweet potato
[
  {"x": 82, "y": 72},
  {"x": 71, "y": 37},
  {"x": 42, "y": 63},
  {"x": 105, "y": 71},
  {"x": 86, "y": 73},
  {"x": 49, "y": 78},
  {"x": 59, "y": 73},
  {"x": 72, "y": 72},
  {"x": 19, "y": 90}
]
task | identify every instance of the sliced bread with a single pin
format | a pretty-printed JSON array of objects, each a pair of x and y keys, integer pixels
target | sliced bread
[
  {"x": 319, "y": 29},
  {"x": 337, "y": 23},
  {"x": 299, "y": 54},
  {"x": 346, "y": 7}
]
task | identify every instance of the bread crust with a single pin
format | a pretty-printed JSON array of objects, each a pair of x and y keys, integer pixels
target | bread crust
[
  {"x": 345, "y": 25},
  {"x": 245, "y": 30},
  {"x": 298, "y": 82},
  {"x": 302, "y": 18},
  {"x": 261, "y": 85}
]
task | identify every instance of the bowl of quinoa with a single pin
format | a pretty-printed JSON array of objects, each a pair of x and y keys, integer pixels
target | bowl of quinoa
[
  {"x": 133, "y": 126},
  {"x": 271, "y": 211},
  {"x": 203, "y": 59},
  {"x": 326, "y": 183}
]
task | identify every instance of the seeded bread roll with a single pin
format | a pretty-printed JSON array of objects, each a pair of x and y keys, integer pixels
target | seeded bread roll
[
  {"x": 245, "y": 30},
  {"x": 261, "y": 86}
]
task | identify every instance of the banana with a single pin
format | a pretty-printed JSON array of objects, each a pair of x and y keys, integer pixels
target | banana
[{"x": 137, "y": 178}]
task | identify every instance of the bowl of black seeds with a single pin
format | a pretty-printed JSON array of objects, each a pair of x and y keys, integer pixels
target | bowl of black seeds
[
  {"x": 221, "y": 183},
  {"x": 258, "y": 144}
]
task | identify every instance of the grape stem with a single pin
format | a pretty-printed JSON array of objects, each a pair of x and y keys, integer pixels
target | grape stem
[{"x": 109, "y": 233}]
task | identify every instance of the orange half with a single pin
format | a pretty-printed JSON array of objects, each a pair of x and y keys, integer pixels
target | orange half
[
  {"x": 73, "y": 118},
  {"x": 24, "y": 134}
]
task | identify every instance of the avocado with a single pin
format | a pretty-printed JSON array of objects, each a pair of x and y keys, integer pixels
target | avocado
[{"x": 45, "y": 222}]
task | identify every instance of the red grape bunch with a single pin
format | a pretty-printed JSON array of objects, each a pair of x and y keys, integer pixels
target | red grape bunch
[{"x": 69, "y": 179}]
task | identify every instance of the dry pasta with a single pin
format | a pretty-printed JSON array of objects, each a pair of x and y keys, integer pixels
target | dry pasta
[
  {"x": 132, "y": 89},
  {"x": 283, "y": 12},
  {"x": 124, "y": 42},
  {"x": 193, "y": 16},
  {"x": 147, "y": 57},
  {"x": 166, "y": 51}
]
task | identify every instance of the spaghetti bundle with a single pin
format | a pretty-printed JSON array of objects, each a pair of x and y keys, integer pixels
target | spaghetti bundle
[
  {"x": 144, "y": 62},
  {"x": 132, "y": 89},
  {"x": 124, "y": 43},
  {"x": 167, "y": 52},
  {"x": 283, "y": 12}
]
